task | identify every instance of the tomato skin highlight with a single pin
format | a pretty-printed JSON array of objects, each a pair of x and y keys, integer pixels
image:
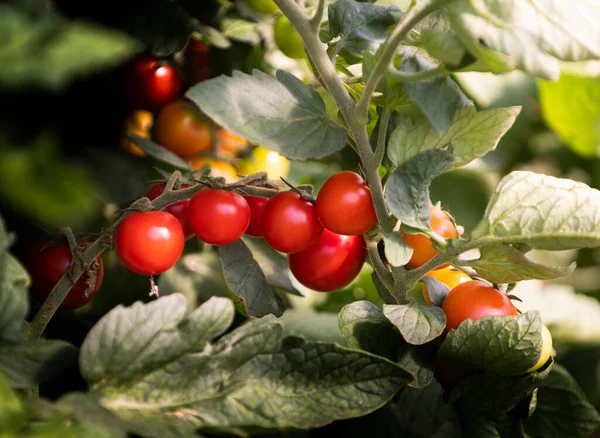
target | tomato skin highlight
[
  {"x": 423, "y": 248},
  {"x": 179, "y": 209},
  {"x": 290, "y": 223},
  {"x": 257, "y": 207},
  {"x": 46, "y": 266},
  {"x": 474, "y": 299},
  {"x": 150, "y": 83},
  {"x": 449, "y": 275},
  {"x": 149, "y": 243},
  {"x": 329, "y": 264},
  {"x": 219, "y": 217},
  {"x": 344, "y": 204}
]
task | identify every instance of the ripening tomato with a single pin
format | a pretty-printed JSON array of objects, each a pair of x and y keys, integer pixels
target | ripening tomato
[
  {"x": 218, "y": 168},
  {"x": 263, "y": 6},
  {"x": 229, "y": 143},
  {"x": 344, "y": 204},
  {"x": 423, "y": 248},
  {"x": 290, "y": 223},
  {"x": 46, "y": 266},
  {"x": 264, "y": 160},
  {"x": 149, "y": 243},
  {"x": 219, "y": 217},
  {"x": 329, "y": 264},
  {"x": 183, "y": 129},
  {"x": 179, "y": 209},
  {"x": 139, "y": 122},
  {"x": 474, "y": 299},
  {"x": 288, "y": 39},
  {"x": 450, "y": 276},
  {"x": 257, "y": 207},
  {"x": 151, "y": 83},
  {"x": 546, "y": 350}
]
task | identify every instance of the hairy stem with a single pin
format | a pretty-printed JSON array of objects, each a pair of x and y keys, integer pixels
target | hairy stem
[
  {"x": 378, "y": 266},
  {"x": 381, "y": 135},
  {"x": 403, "y": 76},
  {"x": 317, "y": 17}
]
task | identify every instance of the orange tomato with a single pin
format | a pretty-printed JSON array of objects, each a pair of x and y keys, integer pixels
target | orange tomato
[
  {"x": 230, "y": 143},
  {"x": 218, "y": 168},
  {"x": 139, "y": 122}
]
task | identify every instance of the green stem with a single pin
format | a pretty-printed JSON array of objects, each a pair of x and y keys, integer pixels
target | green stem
[
  {"x": 381, "y": 135},
  {"x": 317, "y": 17},
  {"x": 378, "y": 266},
  {"x": 403, "y": 76}
]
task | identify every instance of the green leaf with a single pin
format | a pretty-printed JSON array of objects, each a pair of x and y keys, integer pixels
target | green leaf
[
  {"x": 472, "y": 134},
  {"x": 159, "y": 152},
  {"x": 49, "y": 51},
  {"x": 439, "y": 98},
  {"x": 571, "y": 107},
  {"x": 245, "y": 279},
  {"x": 283, "y": 114},
  {"x": 419, "y": 361},
  {"x": 542, "y": 212},
  {"x": 311, "y": 325},
  {"x": 153, "y": 367},
  {"x": 273, "y": 264},
  {"x": 507, "y": 345},
  {"x": 240, "y": 30},
  {"x": 407, "y": 188},
  {"x": 418, "y": 323},
  {"x": 397, "y": 252},
  {"x": 506, "y": 264},
  {"x": 358, "y": 27},
  {"x": 436, "y": 289},
  {"x": 12, "y": 415},
  {"x": 562, "y": 408},
  {"x": 528, "y": 35},
  {"x": 13, "y": 292},
  {"x": 392, "y": 92}
]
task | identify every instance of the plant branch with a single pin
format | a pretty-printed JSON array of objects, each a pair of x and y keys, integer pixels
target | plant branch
[
  {"x": 378, "y": 266},
  {"x": 317, "y": 17},
  {"x": 382, "y": 134},
  {"x": 410, "y": 19},
  {"x": 404, "y": 76}
]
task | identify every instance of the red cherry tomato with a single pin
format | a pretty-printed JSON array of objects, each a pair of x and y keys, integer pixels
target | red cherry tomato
[
  {"x": 423, "y": 248},
  {"x": 179, "y": 209},
  {"x": 46, "y": 266},
  {"x": 151, "y": 83},
  {"x": 149, "y": 243},
  {"x": 197, "y": 62},
  {"x": 257, "y": 206},
  {"x": 219, "y": 217},
  {"x": 344, "y": 204},
  {"x": 331, "y": 263},
  {"x": 450, "y": 276},
  {"x": 290, "y": 223},
  {"x": 473, "y": 300}
]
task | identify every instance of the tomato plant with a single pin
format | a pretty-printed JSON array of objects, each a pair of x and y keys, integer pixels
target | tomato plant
[
  {"x": 257, "y": 207},
  {"x": 450, "y": 276},
  {"x": 178, "y": 209},
  {"x": 149, "y": 243}
]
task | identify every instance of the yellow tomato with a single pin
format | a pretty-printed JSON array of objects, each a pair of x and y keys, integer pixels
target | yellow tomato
[
  {"x": 140, "y": 122},
  {"x": 546, "y": 350},
  {"x": 218, "y": 168},
  {"x": 262, "y": 159},
  {"x": 449, "y": 275}
]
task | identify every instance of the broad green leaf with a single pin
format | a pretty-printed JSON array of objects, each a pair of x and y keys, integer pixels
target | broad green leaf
[
  {"x": 439, "y": 98},
  {"x": 160, "y": 153},
  {"x": 283, "y": 114},
  {"x": 245, "y": 278},
  {"x": 13, "y": 292},
  {"x": 240, "y": 30},
  {"x": 393, "y": 95},
  {"x": 506, "y": 264},
  {"x": 419, "y": 361},
  {"x": 472, "y": 134},
  {"x": 436, "y": 289},
  {"x": 397, "y": 252},
  {"x": 528, "y": 35},
  {"x": 359, "y": 27},
  {"x": 407, "y": 188},
  {"x": 571, "y": 107},
  {"x": 542, "y": 212},
  {"x": 311, "y": 325},
  {"x": 151, "y": 366},
  {"x": 508, "y": 345},
  {"x": 50, "y": 51},
  {"x": 483, "y": 426},
  {"x": 418, "y": 323},
  {"x": 273, "y": 264},
  {"x": 12, "y": 415},
  {"x": 562, "y": 408}
]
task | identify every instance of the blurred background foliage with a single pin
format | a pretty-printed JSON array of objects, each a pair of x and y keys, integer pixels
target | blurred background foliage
[{"x": 62, "y": 160}]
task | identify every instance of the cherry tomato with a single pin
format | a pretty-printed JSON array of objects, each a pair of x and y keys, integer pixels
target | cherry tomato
[
  {"x": 331, "y": 263},
  {"x": 546, "y": 350},
  {"x": 257, "y": 206},
  {"x": 290, "y": 223},
  {"x": 474, "y": 299},
  {"x": 218, "y": 168},
  {"x": 197, "y": 62},
  {"x": 149, "y": 243},
  {"x": 179, "y": 209},
  {"x": 288, "y": 39},
  {"x": 423, "y": 248},
  {"x": 46, "y": 266},
  {"x": 150, "y": 83},
  {"x": 140, "y": 122},
  {"x": 229, "y": 143},
  {"x": 263, "y": 6},
  {"x": 449, "y": 275},
  {"x": 183, "y": 129},
  {"x": 219, "y": 217},
  {"x": 344, "y": 204},
  {"x": 262, "y": 159}
]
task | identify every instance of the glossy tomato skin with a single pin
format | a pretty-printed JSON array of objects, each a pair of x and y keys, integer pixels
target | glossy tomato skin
[
  {"x": 183, "y": 129},
  {"x": 329, "y": 264},
  {"x": 179, "y": 209},
  {"x": 290, "y": 223},
  {"x": 344, "y": 204},
  {"x": 474, "y": 299},
  {"x": 257, "y": 207},
  {"x": 546, "y": 350},
  {"x": 423, "y": 248},
  {"x": 150, "y": 83},
  {"x": 219, "y": 217},
  {"x": 46, "y": 266},
  {"x": 149, "y": 243},
  {"x": 450, "y": 276}
]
